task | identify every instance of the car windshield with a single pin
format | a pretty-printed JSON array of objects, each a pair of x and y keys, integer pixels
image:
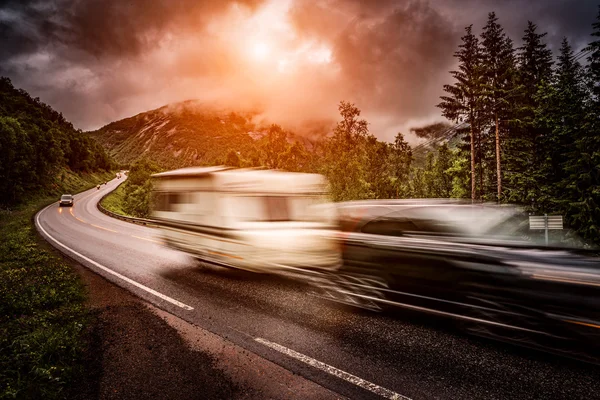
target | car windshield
[{"x": 66, "y": 197}]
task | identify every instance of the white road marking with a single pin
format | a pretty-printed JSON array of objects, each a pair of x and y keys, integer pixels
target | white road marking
[
  {"x": 110, "y": 271},
  {"x": 381, "y": 391}
]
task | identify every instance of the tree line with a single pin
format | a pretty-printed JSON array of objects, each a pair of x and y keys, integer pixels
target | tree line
[
  {"x": 358, "y": 165},
  {"x": 532, "y": 120},
  {"x": 37, "y": 143}
]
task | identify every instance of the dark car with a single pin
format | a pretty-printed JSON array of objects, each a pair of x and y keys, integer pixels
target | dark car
[
  {"x": 66, "y": 200},
  {"x": 470, "y": 263}
]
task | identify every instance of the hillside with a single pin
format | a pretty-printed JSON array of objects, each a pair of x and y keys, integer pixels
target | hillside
[
  {"x": 432, "y": 137},
  {"x": 183, "y": 134},
  {"x": 39, "y": 148}
]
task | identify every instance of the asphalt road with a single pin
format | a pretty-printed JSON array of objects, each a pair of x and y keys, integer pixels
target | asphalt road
[{"x": 355, "y": 353}]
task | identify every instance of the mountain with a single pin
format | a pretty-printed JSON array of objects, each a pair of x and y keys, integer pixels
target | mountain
[
  {"x": 433, "y": 136},
  {"x": 194, "y": 133},
  {"x": 184, "y": 134},
  {"x": 39, "y": 147}
]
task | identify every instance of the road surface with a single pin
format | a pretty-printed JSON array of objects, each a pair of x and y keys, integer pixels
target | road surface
[{"x": 355, "y": 353}]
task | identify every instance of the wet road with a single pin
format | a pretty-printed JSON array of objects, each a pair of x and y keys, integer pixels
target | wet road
[{"x": 355, "y": 353}]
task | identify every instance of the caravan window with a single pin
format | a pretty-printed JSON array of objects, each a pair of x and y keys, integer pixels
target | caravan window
[
  {"x": 274, "y": 208},
  {"x": 259, "y": 208},
  {"x": 277, "y": 208},
  {"x": 164, "y": 201}
]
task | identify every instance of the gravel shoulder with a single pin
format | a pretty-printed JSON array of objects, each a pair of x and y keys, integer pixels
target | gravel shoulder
[{"x": 139, "y": 351}]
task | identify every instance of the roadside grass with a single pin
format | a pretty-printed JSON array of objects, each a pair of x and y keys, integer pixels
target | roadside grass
[
  {"x": 43, "y": 318},
  {"x": 116, "y": 200}
]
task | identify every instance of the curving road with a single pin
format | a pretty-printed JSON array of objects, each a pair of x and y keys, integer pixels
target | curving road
[{"x": 357, "y": 354}]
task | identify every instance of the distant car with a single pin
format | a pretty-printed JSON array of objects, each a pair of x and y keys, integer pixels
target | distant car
[{"x": 66, "y": 200}]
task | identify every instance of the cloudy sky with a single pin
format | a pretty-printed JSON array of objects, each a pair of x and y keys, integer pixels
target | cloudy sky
[{"x": 97, "y": 61}]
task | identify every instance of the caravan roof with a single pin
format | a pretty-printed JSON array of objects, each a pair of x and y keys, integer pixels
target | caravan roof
[
  {"x": 190, "y": 172},
  {"x": 251, "y": 180}
]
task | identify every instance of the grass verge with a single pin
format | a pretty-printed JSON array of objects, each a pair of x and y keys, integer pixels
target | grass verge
[
  {"x": 43, "y": 319},
  {"x": 115, "y": 200}
]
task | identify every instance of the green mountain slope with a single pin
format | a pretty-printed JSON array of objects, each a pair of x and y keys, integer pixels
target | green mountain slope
[
  {"x": 177, "y": 135},
  {"x": 39, "y": 147},
  {"x": 192, "y": 133}
]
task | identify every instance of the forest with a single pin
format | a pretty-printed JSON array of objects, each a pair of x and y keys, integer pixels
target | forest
[{"x": 37, "y": 146}]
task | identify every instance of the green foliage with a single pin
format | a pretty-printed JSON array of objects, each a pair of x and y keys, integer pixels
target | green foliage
[
  {"x": 464, "y": 99},
  {"x": 233, "y": 160},
  {"x": 541, "y": 125},
  {"x": 35, "y": 143},
  {"x": 500, "y": 86},
  {"x": 180, "y": 135},
  {"x": 459, "y": 171},
  {"x": 133, "y": 197},
  {"x": 523, "y": 155},
  {"x": 115, "y": 201},
  {"x": 42, "y": 315},
  {"x": 445, "y": 175}
]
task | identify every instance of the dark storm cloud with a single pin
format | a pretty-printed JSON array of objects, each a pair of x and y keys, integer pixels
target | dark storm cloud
[
  {"x": 396, "y": 54},
  {"x": 102, "y": 28},
  {"x": 559, "y": 18},
  {"x": 100, "y": 60},
  {"x": 393, "y": 62},
  {"x": 78, "y": 55},
  {"x": 393, "y": 56}
]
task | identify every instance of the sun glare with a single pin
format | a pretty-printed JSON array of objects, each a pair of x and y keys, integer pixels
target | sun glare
[{"x": 260, "y": 50}]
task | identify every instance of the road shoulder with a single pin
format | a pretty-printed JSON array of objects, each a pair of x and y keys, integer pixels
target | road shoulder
[{"x": 139, "y": 351}]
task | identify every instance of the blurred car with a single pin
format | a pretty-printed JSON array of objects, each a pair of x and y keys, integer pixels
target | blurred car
[
  {"x": 66, "y": 200},
  {"x": 471, "y": 263}
]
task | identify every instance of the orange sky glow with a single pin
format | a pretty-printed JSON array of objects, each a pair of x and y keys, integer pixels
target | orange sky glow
[{"x": 290, "y": 61}]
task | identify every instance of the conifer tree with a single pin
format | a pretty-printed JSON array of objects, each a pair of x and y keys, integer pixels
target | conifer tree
[
  {"x": 560, "y": 115},
  {"x": 499, "y": 83},
  {"x": 464, "y": 99},
  {"x": 523, "y": 155},
  {"x": 583, "y": 167}
]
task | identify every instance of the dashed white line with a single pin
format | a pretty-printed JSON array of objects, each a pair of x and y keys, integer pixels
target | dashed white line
[
  {"x": 381, "y": 391},
  {"x": 110, "y": 271}
]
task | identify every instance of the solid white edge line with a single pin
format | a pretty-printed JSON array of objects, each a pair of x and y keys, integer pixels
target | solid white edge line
[
  {"x": 110, "y": 271},
  {"x": 381, "y": 391}
]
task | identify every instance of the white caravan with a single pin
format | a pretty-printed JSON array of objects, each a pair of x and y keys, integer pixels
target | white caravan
[{"x": 258, "y": 220}]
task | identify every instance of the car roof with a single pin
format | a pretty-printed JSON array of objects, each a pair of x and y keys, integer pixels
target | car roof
[{"x": 462, "y": 215}]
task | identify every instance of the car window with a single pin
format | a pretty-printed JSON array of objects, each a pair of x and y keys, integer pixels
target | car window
[{"x": 389, "y": 227}]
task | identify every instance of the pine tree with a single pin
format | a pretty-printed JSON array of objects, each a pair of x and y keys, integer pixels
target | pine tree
[
  {"x": 401, "y": 159},
  {"x": 442, "y": 165},
  {"x": 500, "y": 84},
  {"x": 560, "y": 116},
  {"x": 464, "y": 99},
  {"x": 583, "y": 166},
  {"x": 523, "y": 155},
  {"x": 593, "y": 68}
]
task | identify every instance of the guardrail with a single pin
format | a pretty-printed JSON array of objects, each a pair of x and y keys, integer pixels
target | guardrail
[{"x": 133, "y": 220}]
